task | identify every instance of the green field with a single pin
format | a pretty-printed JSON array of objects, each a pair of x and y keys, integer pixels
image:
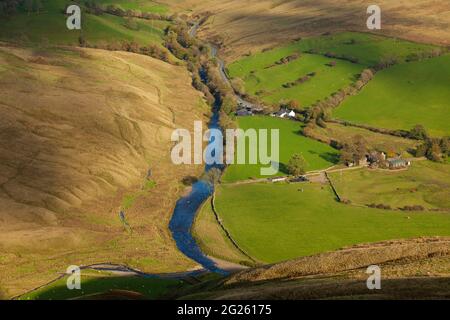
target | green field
[
  {"x": 49, "y": 26},
  {"x": 366, "y": 48},
  {"x": 275, "y": 222},
  {"x": 93, "y": 283},
  {"x": 425, "y": 183},
  {"x": 375, "y": 141},
  {"x": 403, "y": 96},
  {"x": 212, "y": 239},
  {"x": 326, "y": 81},
  {"x": 318, "y": 155}
]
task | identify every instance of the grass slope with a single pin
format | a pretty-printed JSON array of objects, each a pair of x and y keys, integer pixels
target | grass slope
[
  {"x": 318, "y": 155},
  {"x": 326, "y": 81},
  {"x": 412, "y": 269},
  {"x": 50, "y": 26},
  {"x": 267, "y": 81},
  {"x": 403, "y": 96},
  {"x": 425, "y": 183},
  {"x": 264, "y": 24},
  {"x": 212, "y": 238},
  {"x": 275, "y": 222},
  {"x": 375, "y": 141},
  {"x": 93, "y": 282},
  {"x": 93, "y": 122},
  {"x": 138, "y": 5}
]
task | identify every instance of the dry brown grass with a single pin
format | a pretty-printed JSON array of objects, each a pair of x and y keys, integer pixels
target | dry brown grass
[
  {"x": 355, "y": 257},
  {"x": 338, "y": 288},
  {"x": 410, "y": 269},
  {"x": 256, "y": 24},
  {"x": 76, "y": 133}
]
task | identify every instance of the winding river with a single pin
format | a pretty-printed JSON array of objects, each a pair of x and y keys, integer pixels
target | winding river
[{"x": 187, "y": 207}]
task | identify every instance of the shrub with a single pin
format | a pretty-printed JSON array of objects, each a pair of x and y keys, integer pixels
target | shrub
[
  {"x": 418, "y": 133},
  {"x": 212, "y": 176},
  {"x": 412, "y": 208},
  {"x": 296, "y": 165},
  {"x": 379, "y": 206},
  {"x": 189, "y": 180},
  {"x": 321, "y": 123}
]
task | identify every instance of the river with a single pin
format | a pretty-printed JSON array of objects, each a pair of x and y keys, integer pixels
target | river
[{"x": 187, "y": 207}]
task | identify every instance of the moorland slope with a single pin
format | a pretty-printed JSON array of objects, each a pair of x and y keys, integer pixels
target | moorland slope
[
  {"x": 410, "y": 269},
  {"x": 258, "y": 24},
  {"x": 80, "y": 128}
]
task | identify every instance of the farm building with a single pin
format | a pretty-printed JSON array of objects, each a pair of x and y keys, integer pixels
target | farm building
[
  {"x": 397, "y": 163},
  {"x": 362, "y": 162},
  {"x": 284, "y": 113},
  {"x": 376, "y": 157},
  {"x": 278, "y": 179}
]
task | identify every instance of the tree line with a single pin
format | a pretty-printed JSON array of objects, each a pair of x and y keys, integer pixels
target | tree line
[{"x": 204, "y": 69}]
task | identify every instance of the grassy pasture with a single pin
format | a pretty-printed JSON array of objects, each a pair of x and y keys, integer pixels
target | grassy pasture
[
  {"x": 403, "y": 96},
  {"x": 375, "y": 141},
  {"x": 50, "y": 26},
  {"x": 368, "y": 49},
  {"x": 275, "y": 222},
  {"x": 326, "y": 81},
  {"x": 211, "y": 237},
  {"x": 425, "y": 183},
  {"x": 317, "y": 154}
]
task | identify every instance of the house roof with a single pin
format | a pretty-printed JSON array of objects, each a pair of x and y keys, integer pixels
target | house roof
[
  {"x": 281, "y": 111},
  {"x": 397, "y": 161}
]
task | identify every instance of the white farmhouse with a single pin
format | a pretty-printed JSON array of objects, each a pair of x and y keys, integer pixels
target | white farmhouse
[{"x": 285, "y": 113}]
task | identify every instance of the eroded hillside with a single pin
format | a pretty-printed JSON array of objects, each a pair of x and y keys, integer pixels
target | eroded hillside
[{"x": 79, "y": 131}]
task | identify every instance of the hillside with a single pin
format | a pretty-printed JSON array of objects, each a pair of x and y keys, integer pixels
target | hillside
[
  {"x": 80, "y": 128},
  {"x": 49, "y": 26},
  {"x": 268, "y": 23},
  {"x": 87, "y": 179},
  {"x": 412, "y": 93},
  {"x": 410, "y": 269}
]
